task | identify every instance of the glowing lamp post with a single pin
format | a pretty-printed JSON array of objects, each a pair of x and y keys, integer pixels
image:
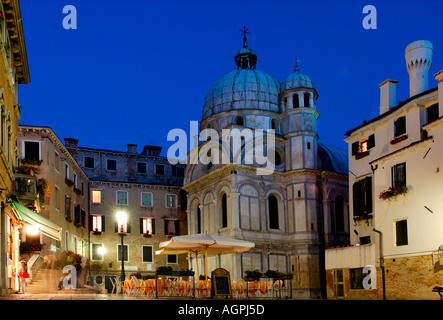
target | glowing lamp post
[{"x": 122, "y": 218}]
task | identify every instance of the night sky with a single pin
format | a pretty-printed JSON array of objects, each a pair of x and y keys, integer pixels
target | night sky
[{"x": 134, "y": 69}]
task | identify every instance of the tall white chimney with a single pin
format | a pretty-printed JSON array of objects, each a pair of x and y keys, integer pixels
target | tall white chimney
[
  {"x": 418, "y": 57},
  {"x": 439, "y": 77},
  {"x": 388, "y": 95}
]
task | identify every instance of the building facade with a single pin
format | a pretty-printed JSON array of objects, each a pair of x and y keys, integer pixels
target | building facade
[
  {"x": 148, "y": 189},
  {"x": 395, "y": 185},
  {"x": 291, "y": 214},
  {"x": 13, "y": 72},
  {"x": 62, "y": 189}
]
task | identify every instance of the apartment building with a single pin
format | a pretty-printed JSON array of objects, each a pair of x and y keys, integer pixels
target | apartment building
[{"x": 395, "y": 185}]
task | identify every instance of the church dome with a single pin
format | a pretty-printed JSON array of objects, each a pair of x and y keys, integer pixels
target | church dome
[
  {"x": 297, "y": 80},
  {"x": 242, "y": 89}
]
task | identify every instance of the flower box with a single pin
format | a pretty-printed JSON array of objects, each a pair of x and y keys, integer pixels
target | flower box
[
  {"x": 77, "y": 191},
  {"x": 392, "y": 193},
  {"x": 361, "y": 155},
  {"x": 31, "y": 162},
  {"x": 253, "y": 275},
  {"x": 399, "y": 139},
  {"x": 364, "y": 217},
  {"x": 69, "y": 182}
]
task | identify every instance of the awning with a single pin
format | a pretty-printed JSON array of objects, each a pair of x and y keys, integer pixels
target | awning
[{"x": 28, "y": 216}]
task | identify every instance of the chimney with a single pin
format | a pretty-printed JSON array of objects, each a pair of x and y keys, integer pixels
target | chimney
[
  {"x": 418, "y": 57},
  {"x": 439, "y": 77},
  {"x": 71, "y": 143},
  {"x": 132, "y": 148},
  {"x": 388, "y": 95}
]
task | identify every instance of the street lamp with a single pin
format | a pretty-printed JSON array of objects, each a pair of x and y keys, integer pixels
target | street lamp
[{"x": 122, "y": 218}]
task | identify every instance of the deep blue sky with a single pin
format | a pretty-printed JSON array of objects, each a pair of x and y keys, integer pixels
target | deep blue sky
[{"x": 135, "y": 69}]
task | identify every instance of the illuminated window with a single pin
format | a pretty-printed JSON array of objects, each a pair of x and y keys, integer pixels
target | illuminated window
[
  {"x": 171, "y": 227},
  {"x": 171, "y": 201},
  {"x": 97, "y": 196},
  {"x": 122, "y": 228},
  {"x": 362, "y": 147},
  {"x": 147, "y": 226},
  {"x": 97, "y": 223}
]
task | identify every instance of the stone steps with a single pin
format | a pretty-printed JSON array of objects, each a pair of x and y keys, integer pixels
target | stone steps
[{"x": 46, "y": 282}]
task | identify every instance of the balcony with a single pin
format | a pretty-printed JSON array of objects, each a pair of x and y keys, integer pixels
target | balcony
[{"x": 25, "y": 187}]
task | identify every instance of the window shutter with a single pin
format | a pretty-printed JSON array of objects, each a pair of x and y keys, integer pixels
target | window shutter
[
  {"x": 368, "y": 194},
  {"x": 400, "y": 126},
  {"x": 356, "y": 194},
  {"x": 90, "y": 222},
  {"x": 371, "y": 141},
  {"x": 153, "y": 226},
  {"x": 355, "y": 148},
  {"x": 102, "y": 196},
  {"x": 177, "y": 226},
  {"x": 103, "y": 223},
  {"x": 128, "y": 226},
  {"x": 141, "y": 225},
  {"x": 116, "y": 226}
]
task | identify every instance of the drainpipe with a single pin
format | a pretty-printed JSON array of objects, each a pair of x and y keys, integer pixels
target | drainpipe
[{"x": 382, "y": 262}]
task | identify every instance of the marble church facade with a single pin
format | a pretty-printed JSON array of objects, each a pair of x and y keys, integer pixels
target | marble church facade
[{"x": 291, "y": 215}]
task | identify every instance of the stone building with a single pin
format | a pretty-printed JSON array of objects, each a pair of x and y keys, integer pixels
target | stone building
[
  {"x": 62, "y": 195},
  {"x": 395, "y": 189},
  {"x": 13, "y": 72},
  {"x": 148, "y": 189},
  {"x": 290, "y": 214}
]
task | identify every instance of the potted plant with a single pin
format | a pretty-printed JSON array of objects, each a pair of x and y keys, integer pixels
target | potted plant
[
  {"x": 186, "y": 273},
  {"x": 252, "y": 275},
  {"x": 164, "y": 270},
  {"x": 392, "y": 192},
  {"x": 272, "y": 274}
]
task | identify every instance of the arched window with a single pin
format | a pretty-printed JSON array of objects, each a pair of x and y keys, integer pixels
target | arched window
[
  {"x": 339, "y": 214},
  {"x": 199, "y": 220},
  {"x": 277, "y": 157},
  {"x": 273, "y": 212},
  {"x": 224, "y": 204},
  {"x": 240, "y": 121},
  {"x": 274, "y": 124},
  {"x": 295, "y": 101},
  {"x": 306, "y": 100}
]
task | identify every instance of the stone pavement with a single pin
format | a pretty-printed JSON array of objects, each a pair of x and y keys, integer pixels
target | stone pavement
[{"x": 67, "y": 296}]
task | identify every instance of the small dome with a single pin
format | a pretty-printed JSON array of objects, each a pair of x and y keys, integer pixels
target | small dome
[
  {"x": 242, "y": 89},
  {"x": 333, "y": 159},
  {"x": 297, "y": 80}
]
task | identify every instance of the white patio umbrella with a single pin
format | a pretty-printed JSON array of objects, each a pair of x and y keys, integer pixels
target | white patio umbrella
[{"x": 203, "y": 242}]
